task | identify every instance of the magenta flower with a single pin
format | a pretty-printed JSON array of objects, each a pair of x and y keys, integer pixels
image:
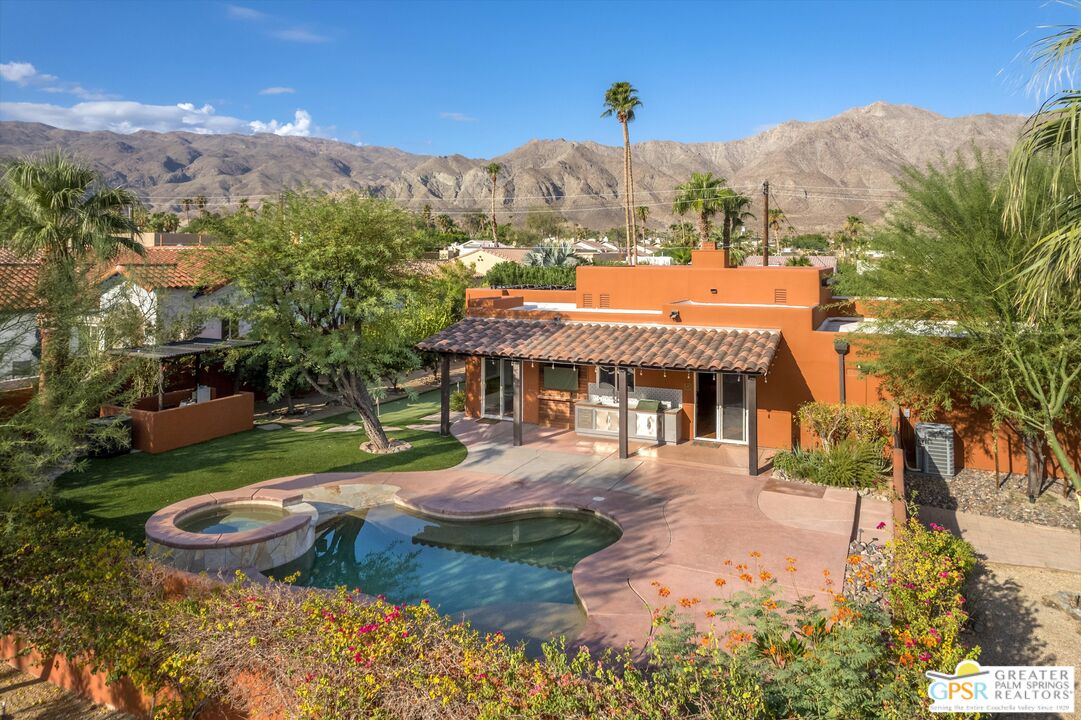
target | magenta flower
[
  {"x": 880, "y": 526},
  {"x": 925, "y": 657},
  {"x": 937, "y": 528}
]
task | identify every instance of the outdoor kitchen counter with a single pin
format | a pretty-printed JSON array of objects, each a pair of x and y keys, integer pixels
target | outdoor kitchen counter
[{"x": 602, "y": 419}]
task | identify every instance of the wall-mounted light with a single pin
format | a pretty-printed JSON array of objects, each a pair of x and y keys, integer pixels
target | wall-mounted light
[
  {"x": 713, "y": 291},
  {"x": 674, "y": 315}
]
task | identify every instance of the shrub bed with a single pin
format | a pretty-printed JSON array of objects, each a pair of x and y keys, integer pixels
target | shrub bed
[
  {"x": 275, "y": 650},
  {"x": 513, "y": 275}
]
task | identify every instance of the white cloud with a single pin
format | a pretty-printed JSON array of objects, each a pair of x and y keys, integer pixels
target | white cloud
[
  {"x": 128, "y": 116},
  {"x": 25, "y": 74},
  {"x": 300, "y": 127},
  {"x": 457, "y": 117},
  {"x": 244, "y": 13},
  {"x": 276, "y": 90},
  {"x": 299, "y": 35},
  {"x": 22, "y": 73}
]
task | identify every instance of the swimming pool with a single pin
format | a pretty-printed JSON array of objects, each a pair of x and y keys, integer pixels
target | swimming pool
[{"x": 511, "y": 573}]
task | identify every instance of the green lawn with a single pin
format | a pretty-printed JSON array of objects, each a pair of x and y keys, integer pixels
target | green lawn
[{"x": 122, "y": 492}]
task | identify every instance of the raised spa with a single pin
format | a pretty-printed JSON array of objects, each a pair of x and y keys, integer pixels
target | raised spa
[
  {"x": 509, "y": 573},
  {"x": 231, "y": 518}
]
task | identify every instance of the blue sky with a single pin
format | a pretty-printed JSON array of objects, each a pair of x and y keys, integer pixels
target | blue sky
[{"x": 481, "y": 78}]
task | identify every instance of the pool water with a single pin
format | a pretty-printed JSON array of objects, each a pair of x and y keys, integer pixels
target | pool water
[
  {"x": 510, "y": 574},
  {"x": 231, "y": 519}
]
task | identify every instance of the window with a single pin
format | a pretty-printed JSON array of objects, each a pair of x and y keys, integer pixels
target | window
[
  {"x": 560, "y": 377},
  {"x": 606, "y": 374}
]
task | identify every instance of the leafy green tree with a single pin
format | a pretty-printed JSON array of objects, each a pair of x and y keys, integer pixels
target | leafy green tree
[
  {"x": 494, "y": 169},
  {"x": 703, "y": 195},
  {"x": 851, "y": 235},
  {"x": 1052, "y": 136},
  {"x": 328, "y": 280},
  {"x": 954, "y": 330},
  {"x": 621, "y": 100},
  {"x": 641, "y": 214},
  {"x": 164, "y": 222}
]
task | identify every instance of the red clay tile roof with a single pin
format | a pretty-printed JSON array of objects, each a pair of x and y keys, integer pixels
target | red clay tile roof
[
  {"x": 18, "y": 283},
  {"x": 654, "y": 346},
  {"x": 166, "y": 267}
]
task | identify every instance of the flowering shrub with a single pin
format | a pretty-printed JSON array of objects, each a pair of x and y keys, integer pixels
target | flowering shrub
[
  {"x": 276, "y": 650},
  {"x": 928, "y": 608}
]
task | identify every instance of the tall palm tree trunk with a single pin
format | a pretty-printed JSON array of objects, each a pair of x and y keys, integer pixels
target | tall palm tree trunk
[
  {"x": 703, "y": 229},
  {"x": 627, "y": 212},
  {"x": 630, "y": 197},
  {"x": 495, "y": 228}
]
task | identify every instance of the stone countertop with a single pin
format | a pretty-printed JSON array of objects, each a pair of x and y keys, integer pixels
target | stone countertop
[{"x": 631, "y": 405}]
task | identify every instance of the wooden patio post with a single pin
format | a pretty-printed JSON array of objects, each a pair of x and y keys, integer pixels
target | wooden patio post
[
  {"x": 519, "y": 397},
  {"x": 161, "y": 384},
  {"x": 444, "y": 394},
  {"x": 621, "y": 393},
  {"x": 752, "y": 424}
]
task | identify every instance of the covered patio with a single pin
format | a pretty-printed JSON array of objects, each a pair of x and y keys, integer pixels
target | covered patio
[
  {"x": 673, "y": 357},
  {"x": 186, "y": 416}
]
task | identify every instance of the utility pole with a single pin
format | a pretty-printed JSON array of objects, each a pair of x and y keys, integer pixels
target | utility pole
[{"x": 765, "y": 224}]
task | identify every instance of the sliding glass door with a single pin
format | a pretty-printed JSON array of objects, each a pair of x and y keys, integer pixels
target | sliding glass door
[
  {"x": 720, "y": 407},
  {"x": 498, "y": 387}
]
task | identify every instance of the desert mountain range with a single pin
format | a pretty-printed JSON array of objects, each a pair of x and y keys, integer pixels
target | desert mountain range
[{"x": 819, "y": 171}]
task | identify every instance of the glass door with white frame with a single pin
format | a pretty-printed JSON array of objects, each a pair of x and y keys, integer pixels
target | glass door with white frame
[
  {"x": 720, "y": 408},
  {"x": 498, "y": 387}
]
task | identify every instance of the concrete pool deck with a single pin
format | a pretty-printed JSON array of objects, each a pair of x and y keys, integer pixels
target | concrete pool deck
[{"x": 680, "y": 521}]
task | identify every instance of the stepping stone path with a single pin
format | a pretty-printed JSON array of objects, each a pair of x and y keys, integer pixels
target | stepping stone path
[
  {"x": 344, "y": 428},
  {"x": 269, "y": 426},
  {"x": 306, "y": 429},
  {"x": 430, "y": 427}
]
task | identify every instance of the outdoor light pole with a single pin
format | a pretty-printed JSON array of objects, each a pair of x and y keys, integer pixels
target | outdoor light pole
[{"x": 841, "y": 346}]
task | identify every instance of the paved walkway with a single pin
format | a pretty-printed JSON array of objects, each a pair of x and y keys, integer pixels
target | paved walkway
[
  {"x": 681, "y": 523},
  {"x": 1013, "y": 543}
]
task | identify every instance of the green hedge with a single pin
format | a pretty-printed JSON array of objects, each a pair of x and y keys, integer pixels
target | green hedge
[{"x": 509, "y": 274}]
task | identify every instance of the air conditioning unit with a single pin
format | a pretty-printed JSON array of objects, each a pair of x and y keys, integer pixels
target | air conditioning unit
[{"x": 934, "y": 449}]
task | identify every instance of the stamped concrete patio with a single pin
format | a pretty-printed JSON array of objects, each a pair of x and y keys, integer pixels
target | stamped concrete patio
[{"x": 681, "y": 521}]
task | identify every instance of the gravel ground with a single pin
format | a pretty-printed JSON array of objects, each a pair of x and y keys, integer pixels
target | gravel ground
[
  {"x": 1014, "y": 625},
  {"x": 974, "y": 491},
  {"x": 24, "y": 697}
]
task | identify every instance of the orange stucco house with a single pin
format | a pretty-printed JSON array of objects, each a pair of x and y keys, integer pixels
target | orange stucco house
[{"x": 667, "y": 355}]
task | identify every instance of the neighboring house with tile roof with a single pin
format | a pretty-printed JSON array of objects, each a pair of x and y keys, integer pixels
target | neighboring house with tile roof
[
  {"x": 167, "y": 286},
  {"x": 19, "y": 342},
  {"x": 706, "y": 353},
  {"x": 822, "y": 261},
  {"x": 485, "y": 258}
]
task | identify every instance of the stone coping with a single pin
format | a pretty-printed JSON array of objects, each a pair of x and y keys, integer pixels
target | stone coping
[{"x": 162, "y": 527}]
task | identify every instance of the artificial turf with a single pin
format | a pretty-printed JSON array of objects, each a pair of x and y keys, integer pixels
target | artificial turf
[{"x": 121, "y": 493}]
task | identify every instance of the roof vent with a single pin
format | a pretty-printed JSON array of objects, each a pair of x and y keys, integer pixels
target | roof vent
[
  {"x": 606, "y": 300},
  {"x": 587, "y": 300},
  {"x": 780, "y": 296}
]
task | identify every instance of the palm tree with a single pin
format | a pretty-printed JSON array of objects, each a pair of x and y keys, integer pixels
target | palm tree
[
  {"x": 704, "y": 195},
  {"x": 1053, "y": 264},
  {"x": 641, "y": 213},
  {"x": 187, "y": 203},
  {"x": 620, "y": 100},
  {"x": 736, "y": 215},
  {"x": 493, "y": 169},
  {"x": 553, "y": 254},
  {"x": 850, "y": 233},
  {"x": 201, "y": 202},
  {"x": 62, "y": 212}
]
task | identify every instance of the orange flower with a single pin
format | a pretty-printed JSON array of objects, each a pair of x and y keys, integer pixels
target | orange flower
[
  {"x": 790, "y": 560},
  {"x": 764, "y": 576},
  {"x": 711, "y": 613},
  {"x": 663, "y": 591},
  {"x": 755, "y": 554},
  {"x": 790, "y": 569},
  {"x": 746, "y": 577},
  {"x": 770, "y": 604},
  {"x": 854, "y": 559},
  {"x": 720, "y": 582},
  {"x": 689, "y": 602}
]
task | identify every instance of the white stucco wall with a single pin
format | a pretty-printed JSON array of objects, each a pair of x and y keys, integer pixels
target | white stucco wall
[{"x": 18, "y": 338}]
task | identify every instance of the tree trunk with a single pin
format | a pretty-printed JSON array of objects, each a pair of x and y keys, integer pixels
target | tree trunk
[
  {"x": 703, "y": 229},
  {"x": 627, "y": 188},
  {"x": 1033, "y": 466},
  {"x": 1064, "y": 461},
  {"x": 290, "y": 407},
  {"x": 726, "y": 231},
  {"x": 495, "y": 227},
  {"x": 630, "y": 198}
]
